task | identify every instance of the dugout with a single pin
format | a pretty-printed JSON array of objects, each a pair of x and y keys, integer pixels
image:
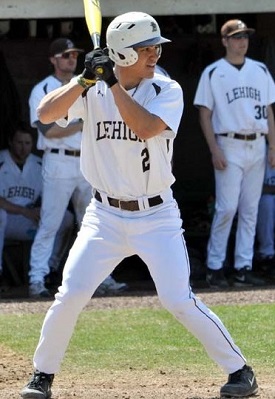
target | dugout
[{"x": 24, "y": 42}]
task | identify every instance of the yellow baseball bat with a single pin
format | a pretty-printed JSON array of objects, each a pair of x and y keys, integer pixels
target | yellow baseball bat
[{"x": 93, "y": 17}]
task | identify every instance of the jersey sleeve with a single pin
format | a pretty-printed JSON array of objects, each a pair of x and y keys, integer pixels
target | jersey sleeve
[
  {"x": 203, "y": 95},
  {"x": 168, "y": 105},
  {"x": 34, "y": 100}
]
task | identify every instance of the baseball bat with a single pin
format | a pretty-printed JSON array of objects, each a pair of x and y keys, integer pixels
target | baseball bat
[{"x": 93, "y": 17}]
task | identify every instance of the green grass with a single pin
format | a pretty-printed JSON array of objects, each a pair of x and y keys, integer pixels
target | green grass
[{"x": 147, "y": 339}]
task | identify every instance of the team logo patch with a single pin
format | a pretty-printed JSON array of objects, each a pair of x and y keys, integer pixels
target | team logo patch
[{"x": 154, "y": 27}]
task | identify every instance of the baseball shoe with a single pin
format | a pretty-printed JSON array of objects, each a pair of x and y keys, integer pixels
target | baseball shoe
[
  {"x": 244, "y": 278},
  {"x": 216, "y": 279},
  {"x": 39, "y": 386},
  {"x": 266, "y": 265},
  {"x": 110, "y": 286},
  {"x": 38, "y": 290},
  {"x": 240, "y": 384}
]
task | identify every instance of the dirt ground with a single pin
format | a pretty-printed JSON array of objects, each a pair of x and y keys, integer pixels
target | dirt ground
[{"x": 130, "y": 384}]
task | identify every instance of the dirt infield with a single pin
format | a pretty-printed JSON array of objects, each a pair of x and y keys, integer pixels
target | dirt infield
[{"x": 129, "y": 384}]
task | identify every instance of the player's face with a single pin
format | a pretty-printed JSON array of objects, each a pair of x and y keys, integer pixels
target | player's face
[
  {"x": 66, "y": 62},
  {"x": 147, "y": 60},
  {"x": 237, "y": 44},
  {"x": 20, "y": 146}
]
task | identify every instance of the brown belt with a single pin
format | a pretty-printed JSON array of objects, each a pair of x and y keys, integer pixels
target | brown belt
[
  {"x": 247, "y": 137},
  {"x": 129, "y": 205},
  {"x": 72, "y": 153}
]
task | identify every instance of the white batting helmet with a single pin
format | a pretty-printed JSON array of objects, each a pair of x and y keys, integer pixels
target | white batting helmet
[{"x": 132, "y": 29}]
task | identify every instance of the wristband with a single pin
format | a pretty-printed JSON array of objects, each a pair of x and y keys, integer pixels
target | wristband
[
  {"x": 85, "y": 83},
  {"x": 111, "y": 81}
]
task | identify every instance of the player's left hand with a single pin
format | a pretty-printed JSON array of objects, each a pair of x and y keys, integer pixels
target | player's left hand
[{"x": 99, "y": 64}]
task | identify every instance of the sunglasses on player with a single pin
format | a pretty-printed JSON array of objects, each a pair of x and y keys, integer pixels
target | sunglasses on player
[
  {"x": 241, "y": 35},
  {"x": 69, "y": 54}
]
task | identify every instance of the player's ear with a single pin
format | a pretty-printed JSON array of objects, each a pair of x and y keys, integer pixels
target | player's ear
[{"x": 224, "y": 41}]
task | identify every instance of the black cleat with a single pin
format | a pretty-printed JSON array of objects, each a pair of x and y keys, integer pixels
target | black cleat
[
  {"x": 245, "y": 278},
  {"x": 240, "y": 384},
  {"x": 39, "y": 386},
  {"x": 216, "y": 279}
]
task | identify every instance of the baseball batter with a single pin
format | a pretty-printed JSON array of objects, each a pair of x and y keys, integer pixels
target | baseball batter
[
  {"x": 131, "y": 117},
  {"x": 234, "y": 97}
]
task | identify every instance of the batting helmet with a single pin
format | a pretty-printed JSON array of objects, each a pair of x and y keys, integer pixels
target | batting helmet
[{"x": 133, "y": 29}]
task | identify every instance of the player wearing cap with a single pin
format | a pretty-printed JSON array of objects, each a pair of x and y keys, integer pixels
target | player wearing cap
[
  {"x": 20, "y": 196},
  {"x": 131, "y": 117},
  {"x": 62, "y": 178},
  {"x": 234, "y": 97}
]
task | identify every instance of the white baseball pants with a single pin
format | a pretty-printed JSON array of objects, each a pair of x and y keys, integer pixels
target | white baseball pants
[
  {"x": 62, "y": 181},
  {"x": 108, "y": 235},
  {"x": 238, "y": 191}
]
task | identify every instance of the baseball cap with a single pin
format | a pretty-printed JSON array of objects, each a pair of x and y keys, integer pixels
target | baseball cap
[
  {"x": 62, "y": 45},
  {"x": 235, "y": 26}
]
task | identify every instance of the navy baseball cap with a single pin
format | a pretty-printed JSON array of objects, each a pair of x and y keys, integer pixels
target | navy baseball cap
[{"x": 63, "y": 45}]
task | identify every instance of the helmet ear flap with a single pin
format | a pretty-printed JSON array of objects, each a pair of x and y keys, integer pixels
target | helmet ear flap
[{"x": 123, "y": 57}]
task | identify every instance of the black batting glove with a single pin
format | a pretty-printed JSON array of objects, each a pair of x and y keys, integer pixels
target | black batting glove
[{"x": 99, "y": 64}]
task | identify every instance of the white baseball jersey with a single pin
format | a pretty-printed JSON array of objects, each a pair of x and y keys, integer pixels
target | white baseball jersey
[
  {"x": 145, "y": 170},
  {"x": 20, "y": 187},
  {"x": 47, "y": 85},
  {"x": 238, "y": 98}
]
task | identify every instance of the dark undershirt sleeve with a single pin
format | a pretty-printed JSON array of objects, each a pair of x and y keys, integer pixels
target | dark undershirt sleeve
[{"x": 44, "y": 128}]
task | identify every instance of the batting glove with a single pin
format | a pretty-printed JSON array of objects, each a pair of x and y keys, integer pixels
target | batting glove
[
  {"x": 87, "y": 79},
  {"x": 99, "y": 64}
]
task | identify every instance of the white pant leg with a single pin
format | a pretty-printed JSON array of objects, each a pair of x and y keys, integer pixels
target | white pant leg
[
  {"x": 15, "y": 227},
  {"x": 81, "y": 198},
  {"x": 266, "y": 225},
  {"x": 21, "y": 228},
  {"x": 62, "y": 240},
  {"x": 227, "y": 185},
  {"x": 248, "y": 206},
  {"x": 55, "y": 199},
  {"x": 160, "y": 244},
  {"x": 100, "y": 245},
  {"x": 93, "y": 256}
]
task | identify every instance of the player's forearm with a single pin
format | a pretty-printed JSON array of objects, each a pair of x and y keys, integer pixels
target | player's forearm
[
  {"x": 9, "y": 207},
  {"x": 207, "y": 129},
  {"x": 138, "y": 119},
  {"x": 57, "y": 132},
  {"x": 55, "y": 104}
]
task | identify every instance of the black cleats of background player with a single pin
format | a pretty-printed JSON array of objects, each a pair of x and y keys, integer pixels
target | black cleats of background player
[{"x": 216, "y": 279}]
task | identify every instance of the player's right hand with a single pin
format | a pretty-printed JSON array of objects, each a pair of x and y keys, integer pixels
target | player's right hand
[
  {"x": 218, "y": 159},
  {"x": 99, "y": 63},
  {"x": 32, "y": 213}
]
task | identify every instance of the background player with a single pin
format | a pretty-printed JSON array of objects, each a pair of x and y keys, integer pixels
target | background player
[
  {"x": 265, "y": 229},
  {"x": 20, "y": 196},
  {"x": 62, "y": 178},
  {"x": 234, "y": 97},
  {"x": 131, "y": 118}
]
